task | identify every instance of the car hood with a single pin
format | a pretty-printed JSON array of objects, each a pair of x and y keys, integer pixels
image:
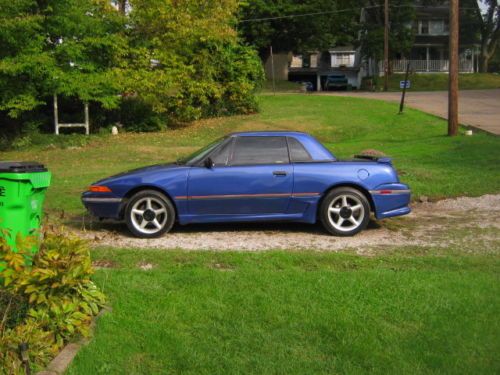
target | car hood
[{"x": 142, "y": 171}]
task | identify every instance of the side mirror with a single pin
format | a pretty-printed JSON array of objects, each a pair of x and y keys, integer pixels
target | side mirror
[{"x": 209, "y": 163}]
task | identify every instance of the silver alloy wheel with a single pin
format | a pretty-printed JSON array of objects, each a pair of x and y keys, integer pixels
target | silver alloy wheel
[
  {"x": 149, "y": 215},
  {"x": 346, "y": 212}
]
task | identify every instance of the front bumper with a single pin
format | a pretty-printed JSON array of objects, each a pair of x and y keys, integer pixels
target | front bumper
[
  {"x": 103, "y": 206},
  {"x": 391, "y": 200}
]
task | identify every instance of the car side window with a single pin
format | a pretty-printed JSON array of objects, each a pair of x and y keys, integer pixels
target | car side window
[
  {"x": 298, "y": 152},
  {"x": 260, "y": 150},
  {"x": 221, "y": 156}
]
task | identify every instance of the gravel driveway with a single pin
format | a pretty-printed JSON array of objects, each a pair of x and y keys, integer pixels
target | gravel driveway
[
  {"x": 463, "y": 222},
  {"x": 477, "y": 108}
]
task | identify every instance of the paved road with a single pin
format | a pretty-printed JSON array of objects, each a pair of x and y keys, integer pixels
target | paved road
[{"x": 477, "y": 108}]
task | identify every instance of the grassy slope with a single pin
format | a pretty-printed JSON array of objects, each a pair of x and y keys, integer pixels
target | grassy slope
[
  {"x": 419, "y": 82},
  {"x": 295, "y": 313},
  {"x": 438, "y": 81},
  {"x": 433, "y": 164},
  {"x": 280, "y": 86}
]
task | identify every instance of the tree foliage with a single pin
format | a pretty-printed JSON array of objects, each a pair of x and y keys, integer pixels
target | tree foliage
[
  {"x": 180, "y": 58},
  {"x": 401, "y": 16},
  {"x": 307, "y": 25},
  {"x": 70, "y": 47},
  {"x": 188, "y": 61}
]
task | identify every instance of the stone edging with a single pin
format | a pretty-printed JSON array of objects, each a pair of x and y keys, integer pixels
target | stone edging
[{"x": 62, "y": 361}]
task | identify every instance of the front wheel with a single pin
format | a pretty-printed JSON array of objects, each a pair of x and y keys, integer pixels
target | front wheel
[
  {"x": 149, "y": 214},
  {"x": 345, "y": 211}
]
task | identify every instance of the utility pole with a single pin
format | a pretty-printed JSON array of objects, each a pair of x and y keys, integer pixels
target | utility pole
[
  {"x": 386, "y": 45},
  {"x": 453, "y": 75}
]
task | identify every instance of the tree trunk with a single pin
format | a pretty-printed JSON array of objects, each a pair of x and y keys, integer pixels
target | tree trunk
[
  {"x": 483, "y": 64},
  {"x": 122, "y": 5},
  {"x": 484, "y": 57}
]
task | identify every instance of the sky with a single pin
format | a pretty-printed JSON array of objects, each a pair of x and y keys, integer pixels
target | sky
[{"x": 483, "y": 6}]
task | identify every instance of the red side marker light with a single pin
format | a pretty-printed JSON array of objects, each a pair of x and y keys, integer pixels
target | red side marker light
[
  {"x": 99, "y": 189},
  {"x": 385, "y": 191}
]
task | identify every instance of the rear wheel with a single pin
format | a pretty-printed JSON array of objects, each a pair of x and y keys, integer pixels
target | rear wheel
[
  {"x": 345, "y": 211},
  {"x": 149, "y": 214}
]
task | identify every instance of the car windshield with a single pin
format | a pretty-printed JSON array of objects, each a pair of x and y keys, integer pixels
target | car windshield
[{"x": 199, "y": 155}]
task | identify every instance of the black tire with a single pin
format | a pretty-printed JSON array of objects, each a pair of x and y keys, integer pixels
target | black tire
[
  {"x": 157, "y": 218},
  {"x": 341, "y": 219}
]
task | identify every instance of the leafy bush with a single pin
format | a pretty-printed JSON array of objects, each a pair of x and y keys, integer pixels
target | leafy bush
[
  {"x": 221, "y": 81},
  {"x": 138, "y": 116},
  {"x": 13, "y": 308},
  {"x": 59, "y": 294}
]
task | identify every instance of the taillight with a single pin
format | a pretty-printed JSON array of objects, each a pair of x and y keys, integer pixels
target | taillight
[{"x": 99, "y": 189}]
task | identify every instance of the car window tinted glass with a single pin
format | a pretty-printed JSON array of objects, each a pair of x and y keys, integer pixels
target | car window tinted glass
[
  {"x": 199, "y": 155},
  {"x": 260, "y": 150},
  {"x": 221, "y": 156},
  {"x": 298, "y": 153}
]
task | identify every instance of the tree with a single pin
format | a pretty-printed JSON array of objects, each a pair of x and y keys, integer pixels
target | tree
[
  {"x": 401, "y": 16},
  {"x": 187, "y": 61},
  {"x": 182, "y": 59},
  {"x": 69, "y": 47},
  {"x": 489, "y": 31},
  {"x": 307, "y": 25}
]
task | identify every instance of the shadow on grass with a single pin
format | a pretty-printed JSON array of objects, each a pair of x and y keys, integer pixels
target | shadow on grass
[{"x": 91, "y": 224}]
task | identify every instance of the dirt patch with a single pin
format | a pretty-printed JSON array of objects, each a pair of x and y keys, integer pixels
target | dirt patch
[
  {"x": 221, "y": 267},
  {"x": 145, "y": 266},
  {"x": 470, "y": 224},
  {"x": 103, "y": 263}
]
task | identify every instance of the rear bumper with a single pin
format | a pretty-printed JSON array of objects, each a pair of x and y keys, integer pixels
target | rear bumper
[
  {"x": 391, "y": 200},
  {"x": 103, "y": 206}
]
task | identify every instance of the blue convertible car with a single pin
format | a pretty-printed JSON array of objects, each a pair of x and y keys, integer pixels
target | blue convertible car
[{"x": 253, "y": 176}]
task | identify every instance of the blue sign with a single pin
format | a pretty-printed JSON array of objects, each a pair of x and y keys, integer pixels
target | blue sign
[{"x": 404, "y": 84}]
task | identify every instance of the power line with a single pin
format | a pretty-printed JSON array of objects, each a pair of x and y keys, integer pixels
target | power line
[
  {"x": 306, "y": 14},
  {"x": 341, "y": 11}
]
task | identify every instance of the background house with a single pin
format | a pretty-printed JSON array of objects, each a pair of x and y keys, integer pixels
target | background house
[
  {"x": 315, "y": 66},
  {"x": 430, "y": 48},
  {"x": 428, "y": 54}
]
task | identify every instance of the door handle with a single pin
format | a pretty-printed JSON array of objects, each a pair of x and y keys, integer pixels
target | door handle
[{"x": 279, "y": 173}]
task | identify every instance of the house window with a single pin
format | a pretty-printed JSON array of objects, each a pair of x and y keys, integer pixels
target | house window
[
  {"x": 305, "y": 61},
  {"x": 342, "y": 59},
  {"x": 314, "y": 60},
  {"x": 432, "y": 27},
  {"x": 423, "y": 27},
  {"x": 439, "y": 27},
  {"x": 296, "y": 61}
]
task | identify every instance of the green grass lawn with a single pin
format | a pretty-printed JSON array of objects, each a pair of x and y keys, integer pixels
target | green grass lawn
[
  {"x": 439, "y": 81},
  {"x": 419, "y": 82},
  {"x": 280, "y": 86},
  {"x": 295, "y": 313},
  {"x": 432, "y": 163}
]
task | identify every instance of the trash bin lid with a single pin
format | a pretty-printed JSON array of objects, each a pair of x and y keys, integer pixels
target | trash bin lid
[{"x": 21, "y": 167}]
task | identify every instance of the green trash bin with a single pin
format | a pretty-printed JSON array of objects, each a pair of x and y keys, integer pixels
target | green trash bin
[{"x": 22, "y": 192}]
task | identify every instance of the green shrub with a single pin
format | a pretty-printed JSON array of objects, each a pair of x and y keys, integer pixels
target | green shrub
[
  {"x": 60, "y": 296},
  {"x": 13, "y": 308},
  {"x": 224, "y": 83},
  {"x": 138, "y": 116}
]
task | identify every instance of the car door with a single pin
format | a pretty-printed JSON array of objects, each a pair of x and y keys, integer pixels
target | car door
[{"x": 251, "y": 175}]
